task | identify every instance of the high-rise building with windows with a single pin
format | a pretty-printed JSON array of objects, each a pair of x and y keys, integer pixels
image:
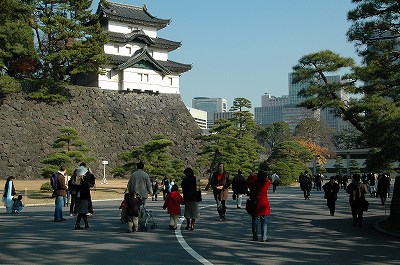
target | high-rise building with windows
[
  {"x": 200, "y": 117},
  {"x": 285, "y": 108},
  {"x": 211, "y": 106},
  {"x": 270, "y": 110}
]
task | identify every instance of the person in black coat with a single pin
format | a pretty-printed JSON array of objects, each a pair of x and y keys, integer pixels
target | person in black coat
[
  {"x": 239, "y": 188},
  {"x": 383, "y": 186},
  {"x": 331, "y": 190},
  {"x": 191, "y": 196},
  {"x": 357, "y": 191}
]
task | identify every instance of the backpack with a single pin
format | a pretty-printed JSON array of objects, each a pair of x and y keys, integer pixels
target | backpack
[
  {"x": 91, "y": 179},
  {"x": 54, "y": 181}
]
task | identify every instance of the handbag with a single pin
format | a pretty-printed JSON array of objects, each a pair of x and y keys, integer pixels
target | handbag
[{"x": 251, "y": 207}]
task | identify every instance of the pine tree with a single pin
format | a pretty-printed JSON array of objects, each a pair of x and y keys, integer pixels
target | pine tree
[
  {"x": 70, "y": 39},
  {"x": 17, "y": 53},
  {"x": 156, "y": 155},
  {"x": 71, "y": 150}
]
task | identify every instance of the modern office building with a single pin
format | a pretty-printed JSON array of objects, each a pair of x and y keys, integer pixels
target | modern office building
[
  {"x": 271, "y": 109},
  {"x": 223, "y": 115},
  {"x": 285, "y": 108},
  {"x": 200, "y": 117},
  {"x": 211, "y": 106}
]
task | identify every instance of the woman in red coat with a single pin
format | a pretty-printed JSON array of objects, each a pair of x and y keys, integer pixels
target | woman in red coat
[{"x": 259, "y": 185}]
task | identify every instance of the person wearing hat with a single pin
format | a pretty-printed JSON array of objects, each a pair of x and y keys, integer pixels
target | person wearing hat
[
  {"x": 83, "y": 198},
  {"x": 331, "y": 190}
]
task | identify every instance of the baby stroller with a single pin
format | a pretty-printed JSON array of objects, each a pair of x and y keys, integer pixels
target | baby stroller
[{"x": 146, "y": 219}]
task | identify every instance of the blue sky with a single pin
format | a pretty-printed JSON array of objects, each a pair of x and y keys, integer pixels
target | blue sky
[{"x": 247, "y": 48}]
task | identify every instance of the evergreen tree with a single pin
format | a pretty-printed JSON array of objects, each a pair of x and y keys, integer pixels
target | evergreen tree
[
  {"x": 354, "y": 166},
  {"x": 156, "y": 155},
  {"x": 274, "y": 133},
  {"x": 70, "y": 39},
  {"x": 223, "y": 144},
  {"x": 376, "y": 32},
  {"x": 242, "y": 118},
  {"x": 293, "y": 155},
  {"x": 71, "y": 151},
  {"x": 17, "y": 53},
  {"x": 338, "y": 164}
]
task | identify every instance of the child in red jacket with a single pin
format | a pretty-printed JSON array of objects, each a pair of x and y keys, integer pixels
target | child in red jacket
[{"x": 173, "y": 202}]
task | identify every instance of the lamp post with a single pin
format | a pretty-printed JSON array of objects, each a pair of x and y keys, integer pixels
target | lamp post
[{"x": 104, "y": 163}]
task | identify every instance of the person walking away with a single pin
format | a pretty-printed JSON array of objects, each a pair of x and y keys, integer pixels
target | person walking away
[
  {"x": 318, "y": 181},
  {"x": 165, "y": 183},
  {"x": 371, "y": 185},
  {"x": 67, "y": 197},
  {"x": 383, "y": 185},
  {"x": 82, "y": 197},
  {"x": 339, "y": 179},
  {"x": 275, "y": 182},
  {"x": 305, "y": 184},
  {"x": 357, "y": 191},
  {"x": 220, "y": 183},
  {"x": 191, "y": 197},
  {"x": 133, "y": 203},
  {"x": 345, "y": 180},
  {"x": 154, "y": 186},
  {"x": 140, "y": 183},
  {"x": 239, "y": 188},
  {"x": 331, "y": 190},
  {"x": 60, "y": 191},
  {"x": 72, "y": 189},
  {"x": 259, "y": 184},
  {"x": 172, "y": 204},
  {"x": 9, "y": 193}
]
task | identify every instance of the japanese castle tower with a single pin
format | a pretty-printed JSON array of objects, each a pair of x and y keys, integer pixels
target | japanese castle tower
[{"x": 138, "y": 58}]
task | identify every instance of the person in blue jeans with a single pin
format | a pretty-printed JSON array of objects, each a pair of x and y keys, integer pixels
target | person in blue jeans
[
  {"x": 59, "y": 194},
  {"x": 259, "y": 184}
]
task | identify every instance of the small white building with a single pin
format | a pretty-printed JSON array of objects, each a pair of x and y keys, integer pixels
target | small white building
[{"x": 138, "y": 57}]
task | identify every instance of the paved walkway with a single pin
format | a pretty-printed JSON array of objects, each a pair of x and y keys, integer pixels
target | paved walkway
[{"x": 300, "y": 232}]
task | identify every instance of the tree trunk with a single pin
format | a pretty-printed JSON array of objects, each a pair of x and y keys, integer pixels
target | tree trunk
[{"x": 394, "y": 218}]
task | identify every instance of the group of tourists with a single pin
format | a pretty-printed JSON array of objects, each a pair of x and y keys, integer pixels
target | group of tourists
[
  {"x": 140, "y": 186},
  {"x": 256, "y": 186},
  {"x": 78, "y": 186},
  {"x": 358, "y": 188}
]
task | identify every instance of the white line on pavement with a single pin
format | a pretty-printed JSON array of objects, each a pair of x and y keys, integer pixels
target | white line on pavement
[{"x": 186, "y": 246}]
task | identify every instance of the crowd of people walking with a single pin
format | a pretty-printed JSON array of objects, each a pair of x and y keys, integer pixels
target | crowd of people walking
[{"x": 74, "y": 192}]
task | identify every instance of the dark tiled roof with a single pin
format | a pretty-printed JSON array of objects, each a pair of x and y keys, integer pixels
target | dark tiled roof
[
  {"x": 128, "y": 13},
  {"x": 173, "y": 67},
  {"x": 139, "y": 35}
]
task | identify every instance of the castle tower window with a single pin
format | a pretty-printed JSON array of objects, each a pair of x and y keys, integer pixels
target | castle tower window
[
  {"x": 170, "y": 81},
  {"x": 144, "y": 77},
  {"x": 129, "y": 50},
  {"x": 116, "y": 47}
]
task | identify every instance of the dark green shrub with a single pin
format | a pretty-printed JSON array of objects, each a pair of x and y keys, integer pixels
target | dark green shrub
[{"x": 46, "y": 186}]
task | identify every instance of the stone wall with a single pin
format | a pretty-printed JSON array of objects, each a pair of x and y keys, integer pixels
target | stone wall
[{"x": 110, "y": 122}]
